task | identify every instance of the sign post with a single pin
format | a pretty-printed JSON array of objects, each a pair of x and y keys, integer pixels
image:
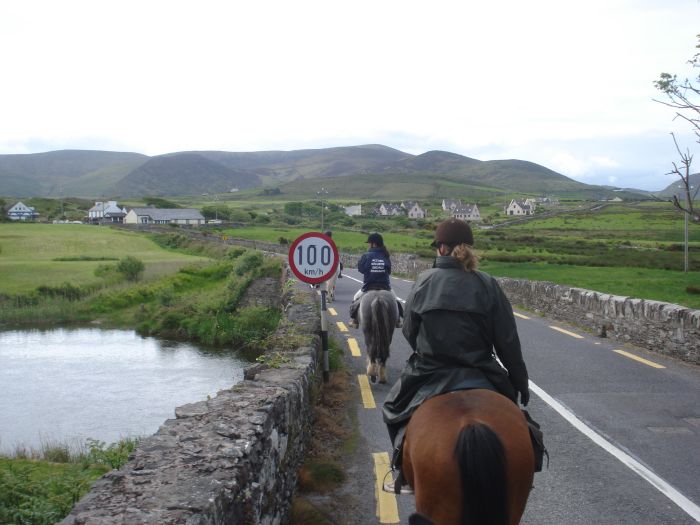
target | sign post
[{"x": 313, "y": 258}]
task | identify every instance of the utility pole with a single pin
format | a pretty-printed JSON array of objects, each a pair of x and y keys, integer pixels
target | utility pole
[
  {"x": 685, "y": 220},
  {"x": 321, "y": 193}
]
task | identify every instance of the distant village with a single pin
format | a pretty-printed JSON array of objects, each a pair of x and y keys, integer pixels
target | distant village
[
  {"x": 452, "y": 207},
  {"x": 110, "y": 212}
]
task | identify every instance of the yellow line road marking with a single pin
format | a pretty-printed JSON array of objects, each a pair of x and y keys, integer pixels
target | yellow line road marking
[
  {"x": 341, "y": 326},
  {"x": 566, "y": 332},
  {"x": 640, "y": 359},
  {"x": 516, "y": 314},
  {"x": 387, "y": 509},
  {"x": 366, "y": 392},
  {"x": 354, "y": 347},
  {"x": 332, "y": 311}
]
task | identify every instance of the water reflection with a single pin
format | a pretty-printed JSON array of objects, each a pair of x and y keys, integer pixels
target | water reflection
[{"x": 67, "y": 385}]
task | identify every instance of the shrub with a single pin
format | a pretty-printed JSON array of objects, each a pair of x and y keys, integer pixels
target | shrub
[
  {"x": 248, "y": 262},
  {"x": 235, "y": 253},
  {"x": 114, "y": 455},
  {"x": 131, "y": 268},
  {"x": 67, "y": 291}
]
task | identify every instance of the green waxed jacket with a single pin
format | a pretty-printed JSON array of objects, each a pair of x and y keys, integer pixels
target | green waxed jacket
[{"x": 455, "y": 320}]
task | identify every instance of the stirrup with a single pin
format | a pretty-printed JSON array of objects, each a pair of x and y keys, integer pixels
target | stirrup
[
  {"x": 390, "y": 487},
  {"x": 398, "y": 485}
]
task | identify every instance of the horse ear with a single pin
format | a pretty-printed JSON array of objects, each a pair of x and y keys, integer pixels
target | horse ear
[{"x": 419, "y": 519}]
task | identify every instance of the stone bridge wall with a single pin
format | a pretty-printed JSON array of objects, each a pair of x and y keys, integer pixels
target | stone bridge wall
[
  {"x": 229, "y": 459},
  {"x": 665, "y": 328}
]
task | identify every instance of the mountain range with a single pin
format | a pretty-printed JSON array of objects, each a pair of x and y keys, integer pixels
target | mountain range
[{"x": 352, "y": 172}]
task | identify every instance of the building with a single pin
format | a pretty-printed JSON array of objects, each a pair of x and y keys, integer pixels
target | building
[
  {"x": 186, "y": 216},
  {"x": 106, "y": 212},
  {"x": 386, "y": 209},
  {"x": 414, "y": 210},
  {"x": 22, "y": 212},
  {"x": 519, "y": 208},
  {"x": 467, "y": 212},
  {"x": 353, "y": 210},
  {"x": 450, "y": 204}
]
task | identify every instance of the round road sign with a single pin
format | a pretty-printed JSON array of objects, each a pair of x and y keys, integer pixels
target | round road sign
[{"x": 313, "y": 257}]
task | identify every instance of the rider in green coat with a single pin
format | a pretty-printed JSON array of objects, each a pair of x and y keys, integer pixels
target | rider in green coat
[{"x": 457, "y": 320}]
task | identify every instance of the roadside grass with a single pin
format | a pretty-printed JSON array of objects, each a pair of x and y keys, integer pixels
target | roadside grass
[
  {"x": 41, "y": 487},
  {"x": 645, "y": 283},
  {"x": 29, "y": 251}
]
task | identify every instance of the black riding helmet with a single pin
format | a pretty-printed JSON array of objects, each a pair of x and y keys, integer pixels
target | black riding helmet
[
  {"x": 453, "y": 232},
  {"x": 375, "y": 238}
]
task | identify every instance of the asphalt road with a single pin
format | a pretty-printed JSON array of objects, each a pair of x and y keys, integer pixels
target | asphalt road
[{"x": 623, "y": 434}]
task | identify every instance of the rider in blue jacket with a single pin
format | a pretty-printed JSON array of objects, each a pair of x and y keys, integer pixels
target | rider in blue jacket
[{"x": 375, "y": 267}]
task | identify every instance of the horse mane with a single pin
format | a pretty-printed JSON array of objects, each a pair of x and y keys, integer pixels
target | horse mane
[{"x": 482, "y": 463}]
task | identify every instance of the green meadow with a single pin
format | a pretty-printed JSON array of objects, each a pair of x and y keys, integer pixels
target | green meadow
[
  {"x": 52, "y": 254},
  {"x": 632, "y": 249}
]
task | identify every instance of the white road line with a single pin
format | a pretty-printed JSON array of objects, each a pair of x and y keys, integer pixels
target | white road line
[{"x": 659, "y": 483}]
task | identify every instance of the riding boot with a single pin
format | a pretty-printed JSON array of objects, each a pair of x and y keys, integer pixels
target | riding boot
[{"x": 354, "y": 307}]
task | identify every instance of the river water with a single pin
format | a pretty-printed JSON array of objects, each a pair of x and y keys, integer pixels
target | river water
[{"x": 66, "y": 385}]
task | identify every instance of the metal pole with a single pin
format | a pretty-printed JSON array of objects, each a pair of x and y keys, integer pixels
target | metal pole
[
  {"x": 685, "y": 259},
  {"x": 324, "y": 337}
]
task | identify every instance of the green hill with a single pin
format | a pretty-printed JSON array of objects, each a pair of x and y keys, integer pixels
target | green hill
[
  {"x": 183, "y": 174},
  {"x": 368, "y": 171},
  {"x": 672, "y": 189},
  {"x": 76, "y": 173}
]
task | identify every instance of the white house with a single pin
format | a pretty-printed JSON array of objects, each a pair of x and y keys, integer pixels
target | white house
[
  {"x": 22, "y": 212},
  {"x": 414, "y": 210},
  {"x": 106, "y": 212},
  {"x": 390, "y": 209},
  {"x": 467, "y": 212},
  {"x": 353, "y": 210},
  {"x": 450, "y": 204},
  {"x": 517, "y": 207},
  {"x": 188, "y": 216}
]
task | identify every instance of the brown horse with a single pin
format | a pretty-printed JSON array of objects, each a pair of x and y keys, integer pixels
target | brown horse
[{"x": 469, "y": 458}]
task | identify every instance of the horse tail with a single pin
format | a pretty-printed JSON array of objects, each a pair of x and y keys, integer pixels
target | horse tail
[
  {"x": 482, "y": 463},
  {"x": 380, "y": 328}
]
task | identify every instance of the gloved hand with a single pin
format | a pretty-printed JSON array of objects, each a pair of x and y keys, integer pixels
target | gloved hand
[{"x": 524, "y": 396}]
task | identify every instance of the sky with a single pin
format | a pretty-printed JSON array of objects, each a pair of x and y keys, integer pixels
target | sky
[{"x": 565, "y": 84}]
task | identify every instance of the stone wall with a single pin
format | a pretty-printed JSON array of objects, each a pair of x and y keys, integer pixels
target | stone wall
[
  {"x": 230, "y": 459},
  {"x": 665, "y": 328}
]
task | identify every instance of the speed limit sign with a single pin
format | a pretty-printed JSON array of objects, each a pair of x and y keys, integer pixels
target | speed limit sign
[{"x": 313, "y": 257}]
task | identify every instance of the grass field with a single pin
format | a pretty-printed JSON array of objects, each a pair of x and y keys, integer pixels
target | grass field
[
  {"x": 644, "y": 283},
  {"x": 632, "y": 249},
  {"x": 28, "y": 253}
]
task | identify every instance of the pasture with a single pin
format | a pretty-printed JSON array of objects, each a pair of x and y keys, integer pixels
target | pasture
[
  {"x": 30, "y": 253},
  {"x": 633, "y": 249}
]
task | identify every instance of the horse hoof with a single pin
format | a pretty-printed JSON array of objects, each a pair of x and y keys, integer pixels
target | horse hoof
[{"x": 373, "y": 379}]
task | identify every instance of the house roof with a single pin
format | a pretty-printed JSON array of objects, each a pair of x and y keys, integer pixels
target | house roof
[
  {"x": 465, "y": 208},
  {"x": 169, "y": 214}
]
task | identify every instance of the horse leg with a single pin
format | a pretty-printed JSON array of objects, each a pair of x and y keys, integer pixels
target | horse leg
[
  {"x": 382, "y": 373},
  {"x": 372, "y": 370}
]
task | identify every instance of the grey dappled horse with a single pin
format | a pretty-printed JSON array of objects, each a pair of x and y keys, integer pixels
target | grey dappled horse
[{"x": 378, "y": 314}]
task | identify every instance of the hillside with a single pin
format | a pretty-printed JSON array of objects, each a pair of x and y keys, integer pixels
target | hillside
[
  {"x": 183, "y": 174},
  {"x": 369, "y": 171},
  {"x": 672, "y": 189},
  {"x": 277, "y": 167},
  {"x": 76, "y": 173}
]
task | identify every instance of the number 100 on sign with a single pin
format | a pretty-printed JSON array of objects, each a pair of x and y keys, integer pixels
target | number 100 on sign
[{"x": 313, "y": 257}]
